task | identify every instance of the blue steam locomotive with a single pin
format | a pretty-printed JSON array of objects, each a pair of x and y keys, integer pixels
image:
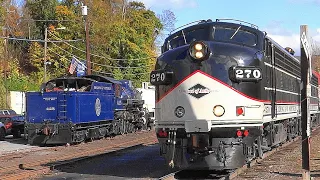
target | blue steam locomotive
[{"x": 77, "y": 109}]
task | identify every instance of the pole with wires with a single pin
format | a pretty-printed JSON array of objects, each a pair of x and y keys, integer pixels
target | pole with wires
[
  {"x": 45, "y": 53},
  {"x": 5, "y": 63},
  {"x": 85, "y": 14}
]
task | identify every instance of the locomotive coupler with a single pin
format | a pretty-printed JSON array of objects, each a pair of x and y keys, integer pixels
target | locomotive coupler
[{"x": 221, "y": 153}]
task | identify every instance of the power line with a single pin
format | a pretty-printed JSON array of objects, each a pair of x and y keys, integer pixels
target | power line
[
  {"x": 68, "y": 52},
  {"x": 134, "y": 67},
  {"x": 39, "y": 40},
  {"x": 115, "y": 59},
  {"x": 49, "y": 20},
  {"x": 95, "y": 70},
  {"x": 103, "y": 65}
]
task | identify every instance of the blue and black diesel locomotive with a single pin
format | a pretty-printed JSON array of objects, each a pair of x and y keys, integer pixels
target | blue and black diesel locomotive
[
  {"x": 225, "y": 94},
  {"x": 76, "y": 109}
]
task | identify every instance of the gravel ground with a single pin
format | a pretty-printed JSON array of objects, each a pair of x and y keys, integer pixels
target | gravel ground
[
  {"x": 287, "y": 163},
  {"x": 10, "y": 145},
  {"x": 284, "y": 164},
  {"x": 37, "y": 160}
]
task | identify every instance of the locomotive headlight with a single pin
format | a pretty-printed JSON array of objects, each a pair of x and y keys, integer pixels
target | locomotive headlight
[
  {"x": 199, "y": 55},
  {"x": 218, "y": 110},
  {"x": 198, "y": 47},
  {"x": 198, "y": 50}
]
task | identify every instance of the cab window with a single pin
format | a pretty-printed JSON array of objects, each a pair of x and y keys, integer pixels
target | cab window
[
  {"x": 186, "y": 37},
  {"x": 236, "y": 35}
]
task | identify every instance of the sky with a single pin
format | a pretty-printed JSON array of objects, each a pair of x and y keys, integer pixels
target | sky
[{"x": 281, "y": 19}]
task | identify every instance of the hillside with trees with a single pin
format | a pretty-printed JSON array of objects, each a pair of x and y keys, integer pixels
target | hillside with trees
[{"x": 123, "y": 39}]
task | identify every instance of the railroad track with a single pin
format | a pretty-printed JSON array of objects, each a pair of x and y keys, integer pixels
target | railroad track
[
  {"x": 235, "y": 173},
  {"x": 33, "y": 168}
]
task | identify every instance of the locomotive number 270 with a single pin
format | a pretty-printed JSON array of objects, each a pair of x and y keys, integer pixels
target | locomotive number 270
[
  {"x": 242, "y": 73},
  {"x": 161, "y": 77},
  {"x": 248, "y": 73}
]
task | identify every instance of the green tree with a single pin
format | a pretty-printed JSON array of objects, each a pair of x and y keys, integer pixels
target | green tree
[{"x": 122, "y": 39}]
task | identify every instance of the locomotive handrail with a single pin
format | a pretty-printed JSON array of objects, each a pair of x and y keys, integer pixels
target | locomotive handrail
[
  {"x": 252, "y": 25},
  {"x": 185, "y": 25}
]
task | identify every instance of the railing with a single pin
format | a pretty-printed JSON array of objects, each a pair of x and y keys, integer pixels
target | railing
[{"x": 252, "y": 25}]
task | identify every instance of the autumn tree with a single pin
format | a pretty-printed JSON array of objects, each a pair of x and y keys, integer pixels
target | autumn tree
[
  {"x": 315, "y": 55},
  {"x": 168, "y": 20},
  {"x": 122, "y": 36}
]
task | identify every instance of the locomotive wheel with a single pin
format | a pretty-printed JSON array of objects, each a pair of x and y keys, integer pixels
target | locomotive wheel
[
  {"x": 122, "y": 127},
  {"x": 130, "y": 127},
  {"x": 16, "y": 133},
  {"x": 2, "y": 134},
  {"x": 259, "y": 147}
]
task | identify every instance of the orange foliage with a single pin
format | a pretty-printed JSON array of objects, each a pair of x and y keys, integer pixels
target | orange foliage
[
  {"x": 63, "y": 10},
  {"x": 51, "y": 27}
]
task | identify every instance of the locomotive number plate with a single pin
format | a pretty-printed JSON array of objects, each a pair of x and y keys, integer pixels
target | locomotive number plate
[
  {"x": 161, "y": 77},
  {"x": 243, "y": 73}
]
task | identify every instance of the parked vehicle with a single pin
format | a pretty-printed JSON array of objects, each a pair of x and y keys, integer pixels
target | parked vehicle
[
  {"x": 2, "y": 131},
  {"x": 13, "y": 124},
  {"x": 4, "y": 112},
  {"x": 17, "y": 127}
]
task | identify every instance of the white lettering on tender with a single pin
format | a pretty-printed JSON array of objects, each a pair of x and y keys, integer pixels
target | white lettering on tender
[
  {"x": 101, "y": 88},
  {"x": 50, "y": 98}
]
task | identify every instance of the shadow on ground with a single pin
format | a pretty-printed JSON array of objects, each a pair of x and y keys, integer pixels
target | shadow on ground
[
  {"x": 136, "y": 162},
  {"x": 21, "y": 140}
]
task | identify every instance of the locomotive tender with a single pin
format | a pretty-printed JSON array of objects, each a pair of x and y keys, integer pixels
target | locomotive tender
[
  {"x": 76, "y": 109},
  {"x": 225, "y": 94}
]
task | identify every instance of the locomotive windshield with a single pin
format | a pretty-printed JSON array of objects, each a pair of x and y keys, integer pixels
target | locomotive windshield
[
  {"x": 234, "y": 35},
  {"x": 186, "y": 37},
  {"x": 229, "y": 34}
]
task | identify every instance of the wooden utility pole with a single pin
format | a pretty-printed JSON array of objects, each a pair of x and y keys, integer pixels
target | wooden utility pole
[
  {"x": 45, "y": 53},
  {"x": 85, "y": 14},
  {"x": 6, "y": 57},
  {"x": 305, "y": 100}
]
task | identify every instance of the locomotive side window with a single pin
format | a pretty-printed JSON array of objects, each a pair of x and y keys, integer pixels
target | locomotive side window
[{"x": 234, "y": 35}]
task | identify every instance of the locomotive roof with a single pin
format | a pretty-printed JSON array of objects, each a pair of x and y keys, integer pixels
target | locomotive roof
[{"x": 206, "y": 24}]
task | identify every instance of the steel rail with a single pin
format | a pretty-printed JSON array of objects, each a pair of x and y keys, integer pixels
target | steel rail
[
  {"x": 84, "y": 151},
  {"x": 37, "y": 172}
]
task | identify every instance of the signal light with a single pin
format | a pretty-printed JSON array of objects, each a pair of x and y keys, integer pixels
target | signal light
[
  {"x": 162, "y": 133},
  {"x": 239, "y": 133},
  {"x": 240, "y": 110},
  {"x": 246, "y": 133}
]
